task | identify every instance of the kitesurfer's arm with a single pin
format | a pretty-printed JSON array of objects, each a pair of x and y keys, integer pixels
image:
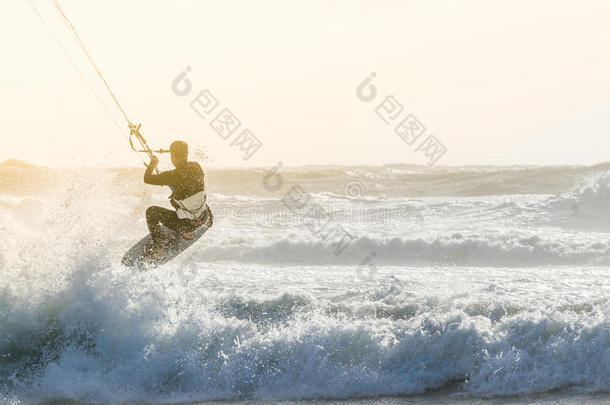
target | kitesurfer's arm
[{"x": 161, "y": 179}]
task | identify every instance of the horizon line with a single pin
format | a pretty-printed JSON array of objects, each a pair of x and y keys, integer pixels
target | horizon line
[{"x": 21, "y": 162}]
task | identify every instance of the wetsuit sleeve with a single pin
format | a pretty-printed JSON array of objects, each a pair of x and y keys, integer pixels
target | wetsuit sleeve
[
  {"x": 161, "y": 179},
  {"x": 200, "y": 176}
]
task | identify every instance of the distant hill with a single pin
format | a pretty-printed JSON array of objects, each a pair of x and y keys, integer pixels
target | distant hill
[{"x": 17, "y": 163}]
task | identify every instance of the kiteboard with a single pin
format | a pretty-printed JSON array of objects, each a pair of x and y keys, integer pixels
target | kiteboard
[{"x": 140, "y": 256}]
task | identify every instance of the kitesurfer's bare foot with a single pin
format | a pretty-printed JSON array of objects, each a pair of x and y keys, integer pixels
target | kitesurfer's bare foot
[
  {"x": 158, "y": 253},
  {"x": 189, "y": 235}
]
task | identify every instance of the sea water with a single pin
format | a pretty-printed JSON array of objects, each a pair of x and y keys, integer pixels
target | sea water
[{"x": 468, "y": 285}]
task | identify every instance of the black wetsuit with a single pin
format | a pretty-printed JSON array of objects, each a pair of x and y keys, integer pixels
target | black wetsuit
[{"x": 185, "y": 180}]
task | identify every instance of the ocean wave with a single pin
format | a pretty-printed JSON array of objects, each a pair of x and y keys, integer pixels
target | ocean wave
[
  {"x": 586, "y": 207},
  {"x": 485, "y": 292},
  {"x": 454, "y": 249},
  {"x": 106, "y": 336}
]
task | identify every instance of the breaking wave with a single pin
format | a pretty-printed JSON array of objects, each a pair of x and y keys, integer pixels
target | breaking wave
[
  {"x": 102, "y": 334},
  {"x": 455, "y": 249}
]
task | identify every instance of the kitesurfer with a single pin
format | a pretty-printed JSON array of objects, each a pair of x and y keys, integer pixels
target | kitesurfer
[{"x": 188, "y": 198}]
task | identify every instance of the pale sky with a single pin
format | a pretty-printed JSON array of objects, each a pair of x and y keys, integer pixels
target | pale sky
[{"x": 511, "y": 82}]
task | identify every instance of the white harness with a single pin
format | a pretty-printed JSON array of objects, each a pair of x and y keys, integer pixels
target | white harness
[{"x": 191, "y": 207}]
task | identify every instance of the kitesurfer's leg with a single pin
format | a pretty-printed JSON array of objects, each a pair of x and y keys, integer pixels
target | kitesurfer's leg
[{"x": 155, "y": 216}]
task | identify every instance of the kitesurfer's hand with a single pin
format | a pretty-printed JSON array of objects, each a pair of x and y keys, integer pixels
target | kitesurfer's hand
[{"x": 154, "y": 161}]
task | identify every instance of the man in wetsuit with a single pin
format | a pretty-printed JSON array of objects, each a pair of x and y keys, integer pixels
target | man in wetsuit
[{"x": 188, "y": 198}]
